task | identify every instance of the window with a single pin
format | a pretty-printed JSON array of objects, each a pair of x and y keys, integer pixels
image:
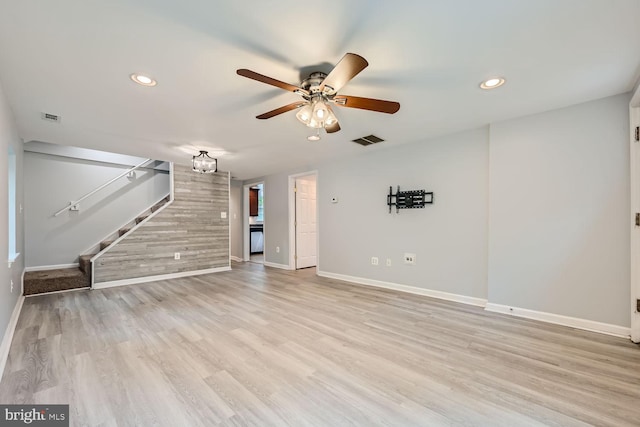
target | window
[{"x": 11, "y": 160}]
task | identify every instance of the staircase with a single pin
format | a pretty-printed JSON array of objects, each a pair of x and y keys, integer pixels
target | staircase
[{"x": 40, "y": 282}]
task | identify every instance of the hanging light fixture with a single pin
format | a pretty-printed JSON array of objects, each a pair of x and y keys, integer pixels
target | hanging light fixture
[
  {"x": 304, "y": 114},
  {"x": 315, "y": 137},
  {"x": 331, "y": 118},
  {"x": 317, "y": 113},
  {"x": 202, "y": 163},
  {"x": 320, "y": 111}
]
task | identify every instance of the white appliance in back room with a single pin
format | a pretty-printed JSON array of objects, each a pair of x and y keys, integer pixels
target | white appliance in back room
[{"x": 257, "y": 239}]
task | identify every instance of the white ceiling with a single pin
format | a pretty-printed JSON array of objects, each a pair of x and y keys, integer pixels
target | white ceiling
[{"x": 74, "y": 58}]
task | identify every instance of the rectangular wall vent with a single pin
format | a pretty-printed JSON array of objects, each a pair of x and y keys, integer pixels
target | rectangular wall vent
[
  {"x": 368, "y": 140},
  {"x": 50, "y": 117}
]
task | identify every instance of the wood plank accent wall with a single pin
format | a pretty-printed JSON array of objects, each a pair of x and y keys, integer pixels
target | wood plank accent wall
[{"x": 190, "y": 225}]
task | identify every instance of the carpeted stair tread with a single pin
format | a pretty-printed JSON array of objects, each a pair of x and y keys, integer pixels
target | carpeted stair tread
[
  {"x": 84, "y": 262},
  {"x": 123, "y": 231},
  {"x": 105, "y": 243},
  {"x": 37, "y": 282},
  {"x": 141, "y": 218}
]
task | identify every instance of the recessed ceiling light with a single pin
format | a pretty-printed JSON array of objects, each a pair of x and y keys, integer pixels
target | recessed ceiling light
[
  {"x": 492, "y": 83},
  {"x": 143, "y": 80}
]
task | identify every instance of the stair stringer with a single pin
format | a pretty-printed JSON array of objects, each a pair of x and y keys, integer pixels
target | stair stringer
[
  {"x": 135, "y": 226},
  {"x": 116, "y": 234}
]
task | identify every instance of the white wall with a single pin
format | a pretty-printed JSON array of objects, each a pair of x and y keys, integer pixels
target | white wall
[
  {"x": 276, "y": 219},
  {"x": 9, "y": 138},
  {"x": 276, "y": 215},
  {"x": 532, "y": 214},
  {"x": 52, "y": 181},
  {"x": 235, "y": 218},
  {"x": 448, "y": 237},
  {"x": 559, "y": 203}
]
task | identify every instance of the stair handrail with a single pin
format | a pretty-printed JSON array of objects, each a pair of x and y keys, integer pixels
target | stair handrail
[{"x": 127, "y": 172}]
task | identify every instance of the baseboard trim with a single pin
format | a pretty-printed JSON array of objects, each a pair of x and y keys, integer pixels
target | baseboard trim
[
  {"x": 235, "y": 258},
  {"x": 85, "y": 288},
  {"x": 137, "y": 280},
  {"x": 276, "y": 265},
  {"x": 480, "y": 302},
  {"x": 558, "y": 319},
  {"x": 52, "y": 267},
  {"x": 8, "y": 334}
]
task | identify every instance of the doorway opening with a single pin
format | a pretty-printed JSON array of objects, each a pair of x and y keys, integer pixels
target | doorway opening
[
  {"x": 254, "y": 223},
  {"x": 303, "y": 224}
]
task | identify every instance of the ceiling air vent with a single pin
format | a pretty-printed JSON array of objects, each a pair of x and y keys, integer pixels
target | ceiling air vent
[
  {"x": 368, "y": 140},
  {"x": 50, "y": 117}
]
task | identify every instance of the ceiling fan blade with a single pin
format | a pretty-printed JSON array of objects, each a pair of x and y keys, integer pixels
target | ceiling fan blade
[
  {"x": 348, "y": 67},
  {"x": 371, "y": 104},
  {"x": 281, "y": 110},
  {"x": 270, "y": 81},
  {"x": 332, "y": 128}
]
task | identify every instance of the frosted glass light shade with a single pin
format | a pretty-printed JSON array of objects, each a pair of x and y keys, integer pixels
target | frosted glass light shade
[{"x": 202, "y": 163}]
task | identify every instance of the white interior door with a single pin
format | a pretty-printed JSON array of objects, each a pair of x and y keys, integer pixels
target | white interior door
[{"x": 305, "y": 223}]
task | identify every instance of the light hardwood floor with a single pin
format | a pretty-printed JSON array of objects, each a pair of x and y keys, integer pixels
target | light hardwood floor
[{"x": 265, "y": 347}]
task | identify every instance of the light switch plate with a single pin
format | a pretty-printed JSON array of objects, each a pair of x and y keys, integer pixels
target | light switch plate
[{"x": 223, "y": 215}]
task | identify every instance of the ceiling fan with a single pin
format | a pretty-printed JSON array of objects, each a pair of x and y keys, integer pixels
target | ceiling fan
[{"x": 319, "y": 90}]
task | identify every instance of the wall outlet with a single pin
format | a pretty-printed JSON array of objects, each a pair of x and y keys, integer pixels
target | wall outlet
[
  {"x": 388, "y": 262},
  {"x": 176, "y": 255},
  {"x": 374, "y": 260},
  {"x": 409, "y": 258},
  {"x": 223, "y": 215},
  {"x": 277, "y": 249}
]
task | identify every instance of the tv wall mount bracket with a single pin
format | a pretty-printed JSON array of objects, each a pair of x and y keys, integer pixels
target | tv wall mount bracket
[{"x": 412, "y": 199}]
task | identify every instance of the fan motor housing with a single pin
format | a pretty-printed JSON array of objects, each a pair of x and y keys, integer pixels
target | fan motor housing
[{"x": 313, "y": 82}]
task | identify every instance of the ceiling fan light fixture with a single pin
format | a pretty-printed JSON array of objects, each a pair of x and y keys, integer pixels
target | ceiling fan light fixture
[
  {"x": 315, "y": 123},
  {"x": 492, "y": 83},
  {"x": 304, "y": 114},
  {"x": 319, "y": 90},
  {"x": 319, "y": 110},
  {"x": 202, "y": 163},
  {"x": 331, "y": 118},
  {"x": 314, "y": 137}
]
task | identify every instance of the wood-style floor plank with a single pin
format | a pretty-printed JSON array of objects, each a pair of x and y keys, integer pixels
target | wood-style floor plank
[{"x": 266, "y": 347}]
